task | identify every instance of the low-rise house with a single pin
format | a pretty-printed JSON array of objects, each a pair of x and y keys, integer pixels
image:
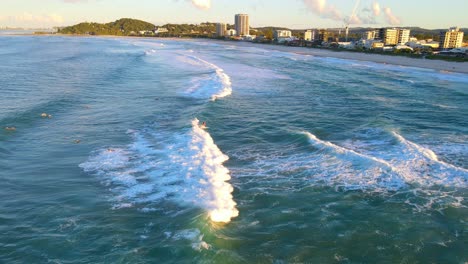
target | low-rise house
[
  {"x": 403, "y": 47},
  {"x": 347, "y": 45},
  {"x": 231, "y": 32},
  {"x": 282, "y": 34},
  {"x": 160, "y": 30}
]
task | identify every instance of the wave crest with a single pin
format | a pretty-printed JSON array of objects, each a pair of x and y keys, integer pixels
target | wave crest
[
  {"x": 186, "y": 168},
  {"x": 213, "y": 86}
]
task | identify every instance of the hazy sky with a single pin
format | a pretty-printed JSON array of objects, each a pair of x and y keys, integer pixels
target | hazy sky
[{"x": 287, "y": 13}]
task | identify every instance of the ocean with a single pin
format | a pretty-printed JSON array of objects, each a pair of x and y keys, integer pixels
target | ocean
[{"x": 303, "y": 159}]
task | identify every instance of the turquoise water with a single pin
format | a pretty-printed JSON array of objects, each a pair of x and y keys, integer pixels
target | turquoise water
[{"x": 303, "y": 160}]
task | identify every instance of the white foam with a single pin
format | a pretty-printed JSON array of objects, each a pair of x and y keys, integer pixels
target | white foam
[
  {"x": 396, "y": 167},
  {"x": 151, "y": 51},
  {"x": 204, "y": 163},
  {"x": 213, "y": 86},
  {"x": 194, "y": 236},
  {"x": 376, "y": 162},
  {"x": 371, "y": 171},
  {"x": 187, "y": 168},
  {"x": 421, "y": 165}
]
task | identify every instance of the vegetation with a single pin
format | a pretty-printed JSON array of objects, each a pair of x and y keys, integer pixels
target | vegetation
[
  {"x": 121, "y": 27},
  {"x": 206, "y": 29},
  {"x": 129, "y": 27}
]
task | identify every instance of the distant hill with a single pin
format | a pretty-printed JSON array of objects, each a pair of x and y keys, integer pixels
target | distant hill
[
  {"x": 121, "y": 27},
  {"x": 128, "y": 26}
]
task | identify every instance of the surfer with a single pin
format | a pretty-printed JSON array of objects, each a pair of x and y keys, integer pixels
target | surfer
[{"x": 203, "y": 125}]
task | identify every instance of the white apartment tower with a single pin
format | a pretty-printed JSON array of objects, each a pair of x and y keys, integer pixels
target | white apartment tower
[
  {"x": 242, "y": 24},
  {"x": 403, "y": 36},
  {"x": 221, "y": 30},
  {"x": 393, "y": 36},
  {"x": 308, "y": 35},
  {"x": 453, "y": 38}
]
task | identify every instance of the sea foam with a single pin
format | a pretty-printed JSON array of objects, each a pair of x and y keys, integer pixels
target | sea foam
[
  {"x": 210, "y": 86},
  {"x": 369, "y": 171},
  {"x": 186, "y": 168},
  {"x": 395, "y": 167},
  {"x": 422, "y": 166}
]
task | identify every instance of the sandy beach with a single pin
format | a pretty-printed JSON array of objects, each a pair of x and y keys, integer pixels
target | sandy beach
[{"x": 439, "y": 65}]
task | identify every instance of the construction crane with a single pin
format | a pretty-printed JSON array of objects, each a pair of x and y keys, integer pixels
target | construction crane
[{"x": 348, "y": 20}]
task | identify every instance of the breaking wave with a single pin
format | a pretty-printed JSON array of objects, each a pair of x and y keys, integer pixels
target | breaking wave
[
  {"x": 384, "y": 163},
  {"x": 187, "y": 168},
  {"x": 213, "y": 85},
  {"x": 405, "y": 163},
  {"x": 363, "y": 171}
]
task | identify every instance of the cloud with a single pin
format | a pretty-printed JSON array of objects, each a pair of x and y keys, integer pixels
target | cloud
[
  {"x": 376, "y": 9},
  {"x": 200, "y": 4},
  {"x": 390, "y": 17},
  {"x": 321, "y": 8},
  {"x": 367, "y": 15},
  {"x": 26, "y": 18},
  {"x": 354, "y": 20}
]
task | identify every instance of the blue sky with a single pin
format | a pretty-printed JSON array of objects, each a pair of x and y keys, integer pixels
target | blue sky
[{"x": 287, "y": 13}]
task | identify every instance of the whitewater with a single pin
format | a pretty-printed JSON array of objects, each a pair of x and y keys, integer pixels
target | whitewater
[{"x": 303, "y": 159}]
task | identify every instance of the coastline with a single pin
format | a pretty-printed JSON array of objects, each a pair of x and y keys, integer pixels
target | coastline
[{"x": 437, "y": 65}]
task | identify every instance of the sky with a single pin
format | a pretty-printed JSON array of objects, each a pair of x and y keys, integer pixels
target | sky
[{"x": 295, "y": 14}]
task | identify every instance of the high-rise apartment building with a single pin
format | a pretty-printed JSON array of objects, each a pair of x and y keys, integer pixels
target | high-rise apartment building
[
  {"x": 453, "y": 38},
  {"x": 389, "y": 36},
  {"x": 323, "y": 35},
  {"x": 309, "y": 35},
  {"x": 403, "y": 36},
  {"x": 242, "y": 24},
  {"x": 221, "y": 30}
]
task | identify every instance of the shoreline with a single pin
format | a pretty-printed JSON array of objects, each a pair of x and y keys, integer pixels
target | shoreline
[{"x": 437, "y": 65}]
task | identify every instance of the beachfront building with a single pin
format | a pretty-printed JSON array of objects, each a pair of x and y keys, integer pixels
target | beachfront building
[
  {"x": 221, "y": 30},
  {"x": 309, "y": 35},
  {"x": 369, "y": 35},
  {"x": 422, "y": 44},
  {"x": 377, "y": 45},
  {"x": 430, "y": 43},
  {"x": 282, "y": 36},
  {"x": 242, "y": 24},
  {"x": 231, "y": 32},
  {"x": 369, "y": 44},
  {"x": 279, "y": 34},
  {"x": 389, "y": 36},
  {"x": 403, "y": 47},
  {"x": 403, "y": 36},
  {"x": 323, "y": 35},
  {"x": 452, "y": 38},
  {"x": 160, "y": 30}
]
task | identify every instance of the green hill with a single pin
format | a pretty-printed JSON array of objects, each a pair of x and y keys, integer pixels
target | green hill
[{"x": 121, "y": 27}]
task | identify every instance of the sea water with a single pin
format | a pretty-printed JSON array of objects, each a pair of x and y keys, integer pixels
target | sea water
[{"x": 303, "y": 159}]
